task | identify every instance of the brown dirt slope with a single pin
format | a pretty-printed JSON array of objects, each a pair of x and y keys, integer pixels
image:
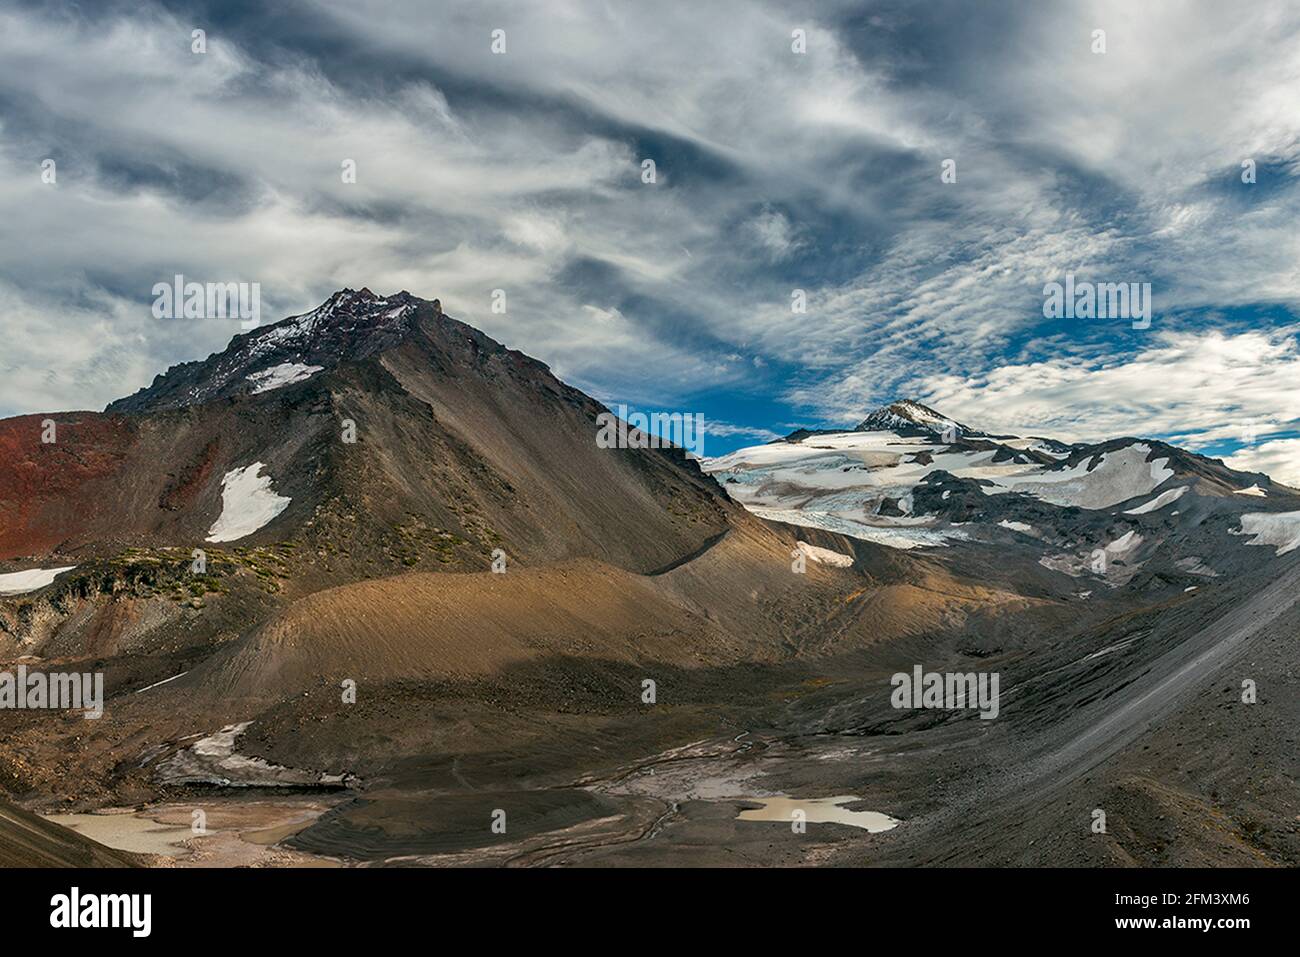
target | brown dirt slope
[
  {"x": 28, "y": 840},
  {"x": 430, "y": 626}
]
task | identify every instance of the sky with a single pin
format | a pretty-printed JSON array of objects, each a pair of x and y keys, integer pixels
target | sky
[{"x": 779, "y": 174}]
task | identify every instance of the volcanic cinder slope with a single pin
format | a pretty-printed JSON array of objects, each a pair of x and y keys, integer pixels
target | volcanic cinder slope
[
  {"x": 370, "y": 551},
  {"x": 28, "y": 840}
]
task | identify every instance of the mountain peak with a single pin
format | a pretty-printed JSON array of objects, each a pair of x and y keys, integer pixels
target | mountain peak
[
  {"x": 357, "y": 303},
  {"x": 908, "y": 416},
  {"x": 350, "y": 324}
]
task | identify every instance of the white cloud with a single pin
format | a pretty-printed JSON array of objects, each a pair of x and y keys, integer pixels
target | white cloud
[
  {"x": 775, "y": 233},
  {"x": 713, "y": 427},
  {"x": 1197, "y": 387},
  {"x": 1279, "y": 459}
]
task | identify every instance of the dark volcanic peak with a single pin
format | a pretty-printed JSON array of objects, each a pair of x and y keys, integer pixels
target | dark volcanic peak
[
  {"x": 455, "y": 446},
  {"x": 909, "y": 417},
  {"x": 349, "y": 325}
]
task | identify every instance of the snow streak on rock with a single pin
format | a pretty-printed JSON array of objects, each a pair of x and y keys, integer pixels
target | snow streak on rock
[
  {"x": 286, "y": 373},
  {"x": 1159, "y": 502}
]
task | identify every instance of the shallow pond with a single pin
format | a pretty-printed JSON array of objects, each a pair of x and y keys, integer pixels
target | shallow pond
[{"x": 829, "y": 810}]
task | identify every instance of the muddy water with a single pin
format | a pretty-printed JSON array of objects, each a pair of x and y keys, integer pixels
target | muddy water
[
  {"x": 237, "y": 832},
  {"x": 126, "y": 832},
  {"x": 830, "y": 810}
]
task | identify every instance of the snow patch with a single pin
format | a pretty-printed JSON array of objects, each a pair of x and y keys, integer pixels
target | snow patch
[
  {"x": 20, "y": 583},
  {"x": 213, "y": 760},
  {"x": 824, "y": 556},
  {"x": 286, "y": 373},
  {"x": 1125, "y": 543},
  {"x": 1253, "y": 490},
  {"x": 1017, "y": 526},
  {"x": 841, "y": 481},
  {"x": 1281, "y": 529},
  {"x": 247, "y": 504}
]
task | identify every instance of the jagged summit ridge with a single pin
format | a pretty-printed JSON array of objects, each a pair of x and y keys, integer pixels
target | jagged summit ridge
[
  {"x": 350, "y": 324},
  {"x": 346, "y": 311}
]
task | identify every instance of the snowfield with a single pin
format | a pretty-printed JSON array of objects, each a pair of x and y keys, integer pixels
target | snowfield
[
  {"x": 286, "y": 373},
  {"x": 20, "y": 583},
  {"x": 1272, "y": 528},
  {"x": 855, "y": 469},
  {"x": 1118, "y": 477},
  {"x": 840, "y": 481},
  {"x": 247, "y": 504},
  {"x": 871, "y": 466}
]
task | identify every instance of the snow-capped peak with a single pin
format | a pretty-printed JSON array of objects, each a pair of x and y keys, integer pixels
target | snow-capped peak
[{"x": 908, "y": 415}]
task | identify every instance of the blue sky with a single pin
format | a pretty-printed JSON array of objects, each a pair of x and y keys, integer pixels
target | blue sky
[{"x": 776, "y": 171}]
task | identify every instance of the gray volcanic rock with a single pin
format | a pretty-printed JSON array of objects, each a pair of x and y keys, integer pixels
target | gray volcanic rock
[{"x": 349, "y": 325}]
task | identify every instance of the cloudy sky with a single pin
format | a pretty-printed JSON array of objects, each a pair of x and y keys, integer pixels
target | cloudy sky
[{"x": 776, "y": 171}]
